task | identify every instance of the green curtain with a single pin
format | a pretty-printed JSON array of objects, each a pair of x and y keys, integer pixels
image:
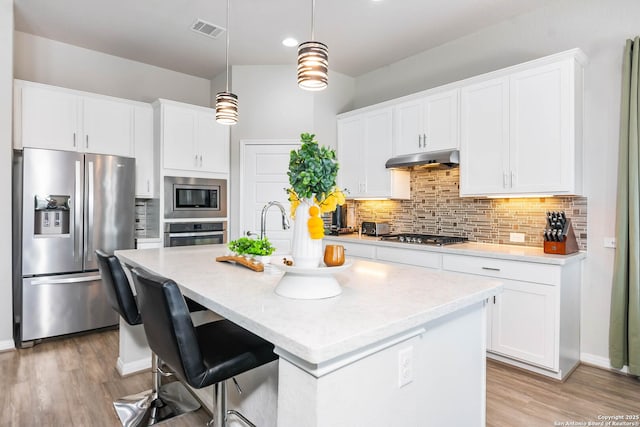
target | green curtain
[{"x": 624, "y": 328}]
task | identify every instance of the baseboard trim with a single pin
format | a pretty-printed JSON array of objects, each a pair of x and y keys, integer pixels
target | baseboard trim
[
  {"x": 601, "y": 362},
  {"x": 7, "y": 345},
  {"x": 133, "y": 367}
]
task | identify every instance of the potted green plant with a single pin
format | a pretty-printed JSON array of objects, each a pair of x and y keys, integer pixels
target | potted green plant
[{"x": 260, "y": 249}]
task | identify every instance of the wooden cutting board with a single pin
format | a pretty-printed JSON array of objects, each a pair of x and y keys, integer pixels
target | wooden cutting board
[{"x": 247, "y": 262}]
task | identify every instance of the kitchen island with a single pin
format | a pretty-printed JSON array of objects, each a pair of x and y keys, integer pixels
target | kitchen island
[{"x": 401, "y": 345}]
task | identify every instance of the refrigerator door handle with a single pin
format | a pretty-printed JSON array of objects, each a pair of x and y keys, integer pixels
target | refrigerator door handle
[
  {"x": 77, "y": 213},
  {"x": 88, "y": 248},
  {"x": 65, "y": 281}
]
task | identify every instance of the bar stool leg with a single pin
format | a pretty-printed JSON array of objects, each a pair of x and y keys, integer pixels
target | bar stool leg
[{"x": 221, "y": 412}]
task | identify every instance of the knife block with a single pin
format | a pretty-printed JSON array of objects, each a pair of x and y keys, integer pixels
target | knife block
[{"x": 567, "y": 246}]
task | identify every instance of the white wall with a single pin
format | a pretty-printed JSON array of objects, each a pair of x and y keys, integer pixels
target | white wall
[
  {"x": 600, "y": 29},
  {"x": 271, "y": 106},
  {"x": 6, "y": 106},
  {"x": 47, "y": 61}
]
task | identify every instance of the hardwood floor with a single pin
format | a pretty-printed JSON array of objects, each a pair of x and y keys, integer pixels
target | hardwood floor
[{"x": 72, "y": 382}]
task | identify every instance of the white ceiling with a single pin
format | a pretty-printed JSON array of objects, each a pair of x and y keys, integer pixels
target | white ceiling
[{"x": 362, "y": 35}]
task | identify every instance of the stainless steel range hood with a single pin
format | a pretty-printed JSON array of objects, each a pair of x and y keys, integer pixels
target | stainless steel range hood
[{"x": 445, "y": 157}]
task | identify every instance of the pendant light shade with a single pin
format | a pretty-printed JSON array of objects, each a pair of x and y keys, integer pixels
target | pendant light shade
[
  {"x": 313, "y": 65},
  {"x": 227, "y": 102},
  {"x": 226, "y": 108},
  {"x": 313, "y": 61}
]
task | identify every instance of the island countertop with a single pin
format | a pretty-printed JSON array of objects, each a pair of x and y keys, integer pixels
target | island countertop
[{"x": 379, "y": 300}]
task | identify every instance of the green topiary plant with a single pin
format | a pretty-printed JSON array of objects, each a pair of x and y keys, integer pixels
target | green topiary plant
[{"x": 312, "y": 169}]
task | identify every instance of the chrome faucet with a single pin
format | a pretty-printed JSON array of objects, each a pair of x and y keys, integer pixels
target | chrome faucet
[{"x": 263, "y": 219}]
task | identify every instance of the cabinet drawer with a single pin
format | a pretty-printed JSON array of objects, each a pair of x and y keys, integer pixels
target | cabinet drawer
[
  {"x": 505, "y": 269},
  {"x": 354, "y": 249},
  {"x": 408, "y": 256}
]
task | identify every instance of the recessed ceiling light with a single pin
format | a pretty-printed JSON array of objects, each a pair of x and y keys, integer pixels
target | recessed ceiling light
[{"x": 290, "y": 42}]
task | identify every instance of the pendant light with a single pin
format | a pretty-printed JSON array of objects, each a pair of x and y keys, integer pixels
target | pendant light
[
  {"x": 313, "y": 61},
  {"x": 227, "y": 102}
]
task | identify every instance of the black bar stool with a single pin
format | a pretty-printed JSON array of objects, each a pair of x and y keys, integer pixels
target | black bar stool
[
  {"x": 200, "y": 356},
  {"x": 159, "y": 403}
]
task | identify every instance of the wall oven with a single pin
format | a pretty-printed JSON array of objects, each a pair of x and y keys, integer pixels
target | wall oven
[
  {"x": 194, "y": 233},
  {"x": 195, "y": 197}
]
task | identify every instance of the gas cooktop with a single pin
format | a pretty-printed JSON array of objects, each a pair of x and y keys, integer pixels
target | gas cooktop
[{"x": 425, "y": 239}]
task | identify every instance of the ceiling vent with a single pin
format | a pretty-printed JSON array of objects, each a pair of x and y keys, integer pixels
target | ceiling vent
[{"x": 207, "y": 29}]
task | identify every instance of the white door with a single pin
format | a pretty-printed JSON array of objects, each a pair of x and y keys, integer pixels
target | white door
[
  {"x": 107, "y": 127},
  {"x": 179, "y": 138},
  {"x": 407, "y": 119},
  {"x": 213, "y": 144},
  {"x": 441, "y": 121},
  {"x": 523, "y": 323},
  {"x": 484, "y": 148},
  {"x": 350, "y": 156},
  {"x": 49, "y": 119},
  {"x": 264, "y": 179},
  {"x": 377, "y": 150},
  {"x": 540, "y": 131}
]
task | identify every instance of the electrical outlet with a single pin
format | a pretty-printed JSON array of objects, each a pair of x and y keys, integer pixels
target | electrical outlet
[
  {"x": 516, "y": 237},
  {"x": 610, "y": 242},
  {"x": 405, "y": 366}
]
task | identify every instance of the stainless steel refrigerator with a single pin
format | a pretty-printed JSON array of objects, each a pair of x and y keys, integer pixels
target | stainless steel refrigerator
[{"x": 67, "y": 205}]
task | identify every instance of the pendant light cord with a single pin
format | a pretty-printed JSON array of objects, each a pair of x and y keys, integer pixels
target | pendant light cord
[
  {"x": 313, "y": 8},
  {"x": 227, "y": 51}
]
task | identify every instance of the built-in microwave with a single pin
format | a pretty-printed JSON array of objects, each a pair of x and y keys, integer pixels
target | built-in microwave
[{"x": 195, "y": 197}]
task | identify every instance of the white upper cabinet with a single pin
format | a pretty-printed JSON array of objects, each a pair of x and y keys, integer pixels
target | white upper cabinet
[
  {"x": 484, "y": 155},
  {"x": 108, "y": 127},
  {"x": 62, "y": 119},
  {"x": 49, "y": 119},
  {"x": 145, "y": 153},
  {"x": 364, "y": 145},
  {"x": 192, "y": 140},
  {"x": 426, "y": 124},
  {"x": 521, "y": 133}
]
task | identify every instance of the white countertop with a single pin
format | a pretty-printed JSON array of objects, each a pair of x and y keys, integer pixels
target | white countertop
[
  {"x": 379, "y": 300},
  {"x": 488, "y": 250}
]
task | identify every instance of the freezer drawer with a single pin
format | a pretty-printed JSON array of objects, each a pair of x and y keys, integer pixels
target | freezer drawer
[{"x": 64, "y": 304}]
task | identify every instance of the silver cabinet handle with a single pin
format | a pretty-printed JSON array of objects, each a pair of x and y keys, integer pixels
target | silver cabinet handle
[
  {"x": 87, "y": 141},
  {"x": 200, "y": 160},
  {"x": 424, "y": 140},
  {"x": 65, "y": 281},
  {"x": 504, "y": 179},
  {"x": 513, "y": 178},
  {"x": 195, "y": 160},
  {"x": 148, "y": 186},
  {"x": 419, "y": 141},
  {"x": 491, "y": 268},
  {"x": 74, "y": 139}
]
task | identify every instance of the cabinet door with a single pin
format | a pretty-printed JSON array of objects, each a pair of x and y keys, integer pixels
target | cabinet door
[
  {"x": 484, "y": 150},
  {"x": 49, "y": 119},
  {"x": 350, "y": 155},
  {"x": 377, "y": 150},
  {"x": 523, "y": 323},
  {"x": 107, "y": 127},
  {"x": 441, "y": 122},
  {"x": 144, "y": 152},
  {"x": 541, "y": 134},
  {"x": 407, "y": 127},
  {"x": 179, "y": 137},
  {"x": 213, "y": 144}
]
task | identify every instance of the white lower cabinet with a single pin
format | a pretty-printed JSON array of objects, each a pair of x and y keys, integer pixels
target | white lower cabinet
[{"x": 535, "y": 322}]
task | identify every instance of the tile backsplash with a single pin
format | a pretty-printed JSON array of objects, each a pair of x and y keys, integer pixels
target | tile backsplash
[{"x": 436, "y": 208}]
